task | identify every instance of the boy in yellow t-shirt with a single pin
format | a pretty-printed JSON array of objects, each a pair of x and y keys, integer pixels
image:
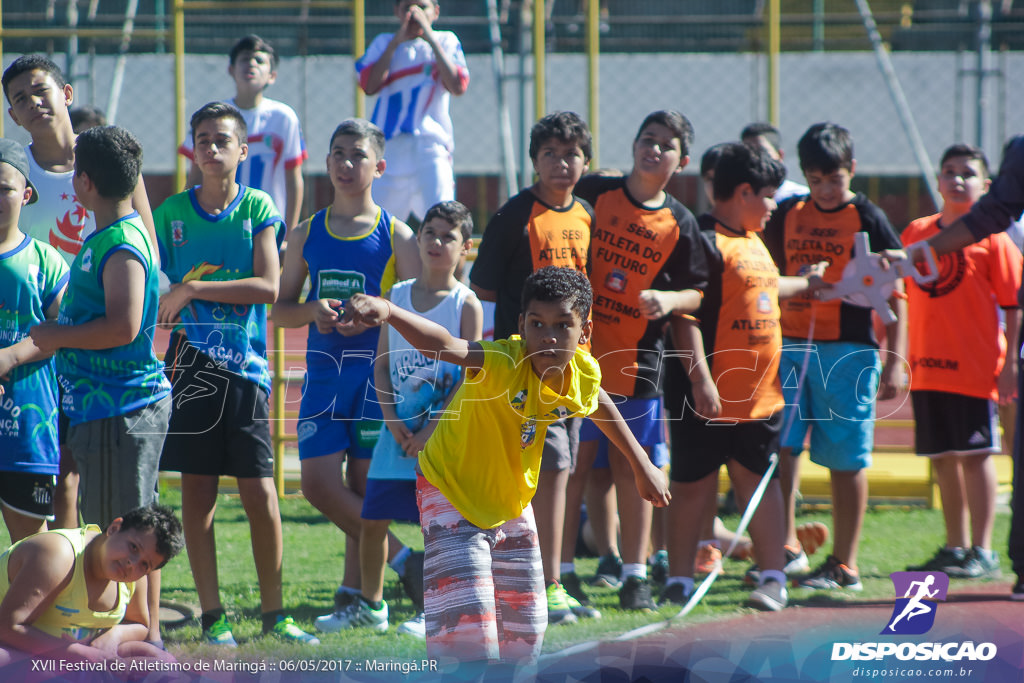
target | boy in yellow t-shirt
[{"x": 482, "y": 564}]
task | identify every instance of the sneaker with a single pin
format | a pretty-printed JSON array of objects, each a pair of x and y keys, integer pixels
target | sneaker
[
  {"x": 1017, "y": 593},
  {"x": 831, "y": 574},
  {"x": 769, "y": 596},
  {"x": 981, "y": 564},
  {"x": 796, "y": 563},
  {"x": 579, "y": 609},
  {"x": 635, "y": 594},
  {"x": 953, "y": 561},
  {"x": 659, "y": 567},
  {"x": 357, "y": 614},
  {"x": 219, "y": 633},
  {"x": 344, "y": 598},
  {"x": 559, "y": 611},
  {"x": 415, "y": 627},
  {"x": 574, "y": 588},
  {"x": 708, "y": 557},
  {"x": 412, "y": 579},
  {"x": 674, "y": 594},
  {"x": 287, "y": 629},
  {"x": 609, "y": 572}
]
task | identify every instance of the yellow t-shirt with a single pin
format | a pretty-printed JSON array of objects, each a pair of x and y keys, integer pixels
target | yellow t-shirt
[
  {"x": 70, "y": 614},
  {"x": 484, "y": 455}
]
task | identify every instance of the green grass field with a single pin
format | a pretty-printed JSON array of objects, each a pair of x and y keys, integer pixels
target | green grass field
[{"x": 314, "y": 551}]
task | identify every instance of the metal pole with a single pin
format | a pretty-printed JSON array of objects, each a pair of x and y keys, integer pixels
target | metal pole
[
  {"x": 179, "y": 91},
  {"x": 900, "y": 100},
  {"x": 504, "y": 122},
  {"x": 122, "y": 54},
  {"x": 358, "y": 48},
  {"x": 593, "y": 77},
  {"x": 984, "y": 59},
  {"x": 774, "y": 42},
  {"x": 539, "y": 46}
]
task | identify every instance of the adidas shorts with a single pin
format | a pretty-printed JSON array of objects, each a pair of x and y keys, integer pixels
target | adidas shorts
[{"x": 946, "y": 423}]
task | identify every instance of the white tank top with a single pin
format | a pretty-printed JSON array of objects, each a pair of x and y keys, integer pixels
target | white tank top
[{"x": 58, "y": 218}]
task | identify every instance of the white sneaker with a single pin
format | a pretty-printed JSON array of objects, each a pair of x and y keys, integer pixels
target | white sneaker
[
  {"x": 415, "y": 627},
  {"x": 357, "y": 615}
]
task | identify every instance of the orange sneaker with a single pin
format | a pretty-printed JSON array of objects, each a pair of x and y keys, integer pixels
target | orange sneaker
[{"x": 708, "y": 557}]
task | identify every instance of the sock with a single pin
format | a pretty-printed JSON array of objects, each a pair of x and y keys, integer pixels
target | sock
[
  {"x": 271, "y": 618},
  {"x": 567, "y": 568},
  {"x": 687, "y": 582},
  {"x": 638, "y": 569},
  {"x": 398, "y": 564},
  {"x": 375, "y": 605},
  {"x": 772, "y": 575},
  {"x": 208, "y": 619}
]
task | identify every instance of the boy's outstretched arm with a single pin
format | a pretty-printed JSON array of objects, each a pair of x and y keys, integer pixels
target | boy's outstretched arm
[
  {"x": 655, "y": 303},
  {"x": 650, "y": 481},
  {"x": 427, "y": 336}
]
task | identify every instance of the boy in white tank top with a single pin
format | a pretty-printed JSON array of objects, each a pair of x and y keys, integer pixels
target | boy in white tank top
[{"x": 413, "y": 391}]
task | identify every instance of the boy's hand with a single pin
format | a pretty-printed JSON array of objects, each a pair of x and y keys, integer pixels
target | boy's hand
[
  {"x": 171, "y": 303},
  {"x": 401, "y": 433},
  {"x": 7, "y": 363},
  {"x": 415, "y": 23},
  {"x": 46, "y": 336},
  {"x": 652, "y": 485},
  {"x": 418, "y": 441},
  {"x": 362, "y": 309},
  {"x": 653, "y": 304},
  {"x": 326, "y": 315},
  {"x": 1007, "y": 382},
  {"x": 706, "y": 401},
  {"x": 893, "y": 380}
]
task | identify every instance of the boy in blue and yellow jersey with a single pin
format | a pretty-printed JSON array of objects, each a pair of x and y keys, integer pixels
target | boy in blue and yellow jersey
[
  {"x": 81, "y": 594},
  {"x": 33, "y": 277},
  {"x": 840, "y": 417},
  {"x": 544, "y": 225},
  {"x": 218, "y": 247},
  {"x": 731, "y": 377},
  {"x": 112, "y": 380},
  {"x": 647, "y": 264},
  {"x": 483, "y": 579},
  {"x": 352, "y": 246}
]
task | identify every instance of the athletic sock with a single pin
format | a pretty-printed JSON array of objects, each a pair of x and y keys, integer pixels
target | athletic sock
[
  {"x": 208, "y": 619},
  {"x": 638, "y": 569}
]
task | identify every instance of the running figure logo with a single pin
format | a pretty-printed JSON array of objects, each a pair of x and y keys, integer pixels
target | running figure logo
[{"x": 914, "y": 613}]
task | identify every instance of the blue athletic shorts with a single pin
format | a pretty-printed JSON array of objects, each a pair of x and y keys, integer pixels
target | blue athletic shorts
[
  {"x": 339, "y": 411},
  {"x": 837, "y": 403},
  {"x": 645, "y": 417},
  {"x": 660, "y": 455},
  {"x": 391, "y": 499}
]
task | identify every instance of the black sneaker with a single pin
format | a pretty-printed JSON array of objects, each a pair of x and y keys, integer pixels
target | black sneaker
[
  {"x": 980, "y": 564},
  {"x": 674, "y": 594},
  {"x": 830, "y": 575},
  {"x": 635, "y": 594},
  {"x": 609, "y": 572},
  {"x": 1017, "y": 593},
  {"x": 953, "y": 561},
  {"x": 574, "y": 587},
  {"x": 796, "y": 563},
  {"x": 412, "y": 579}
]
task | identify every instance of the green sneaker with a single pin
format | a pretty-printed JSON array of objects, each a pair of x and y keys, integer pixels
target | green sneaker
[
  {"x": 559, "y": 611},
  {"x": 286, "y": 629},
  {"x": 219, "y": 633}
]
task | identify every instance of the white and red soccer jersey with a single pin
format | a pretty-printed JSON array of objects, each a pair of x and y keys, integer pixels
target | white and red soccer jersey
[{"x": 58, "y": 218}]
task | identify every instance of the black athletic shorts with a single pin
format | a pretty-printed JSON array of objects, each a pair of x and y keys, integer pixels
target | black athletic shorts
[{"x": 700, "y": 448}]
